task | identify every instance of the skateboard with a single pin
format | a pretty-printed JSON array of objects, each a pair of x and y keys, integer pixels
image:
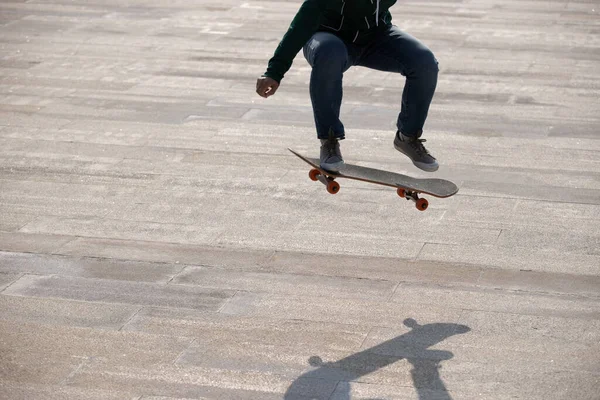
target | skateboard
[{"x": 406, "y": 186}]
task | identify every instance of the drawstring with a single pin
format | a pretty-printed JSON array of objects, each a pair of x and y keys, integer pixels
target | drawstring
[{"x": 367, "y": 21}]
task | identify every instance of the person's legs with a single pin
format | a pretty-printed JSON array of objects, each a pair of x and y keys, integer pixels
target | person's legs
[
  {"x": 328, "y": 56},
  {"x": 397, "y": 51}
]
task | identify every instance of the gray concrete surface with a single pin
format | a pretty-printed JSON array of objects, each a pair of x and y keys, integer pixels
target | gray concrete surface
[{"x": 157, "y": 241}]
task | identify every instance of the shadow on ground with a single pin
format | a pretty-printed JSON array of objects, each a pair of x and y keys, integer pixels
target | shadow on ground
[{"x": 411, "y": 346}]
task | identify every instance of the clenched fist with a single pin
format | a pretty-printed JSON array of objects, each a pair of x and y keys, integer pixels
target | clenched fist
[{"x": 266, "y": 86}]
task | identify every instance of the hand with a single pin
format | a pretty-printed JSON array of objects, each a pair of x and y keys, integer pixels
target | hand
[{"x": 266, "y": 86}]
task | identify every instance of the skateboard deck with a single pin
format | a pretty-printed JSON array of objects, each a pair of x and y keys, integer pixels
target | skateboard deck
[{"x": 406, "y": 186}]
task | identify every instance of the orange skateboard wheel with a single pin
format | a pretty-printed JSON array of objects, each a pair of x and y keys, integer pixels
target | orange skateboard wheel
[
  {"x": 313, "y": 174},
  {"x": 333, "y": 187},
  {"x": 422, "y": 204},
  {"x": 401, "y": 192}
]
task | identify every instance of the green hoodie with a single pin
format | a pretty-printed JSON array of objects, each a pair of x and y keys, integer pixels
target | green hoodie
[{"x": 354, "y": 21}]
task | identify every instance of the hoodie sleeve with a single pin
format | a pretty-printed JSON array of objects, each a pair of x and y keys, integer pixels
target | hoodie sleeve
[{"x": 304, "y": 25}]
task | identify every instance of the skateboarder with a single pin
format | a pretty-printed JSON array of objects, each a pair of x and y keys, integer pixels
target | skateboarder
[{"x": 338, "y": 34}]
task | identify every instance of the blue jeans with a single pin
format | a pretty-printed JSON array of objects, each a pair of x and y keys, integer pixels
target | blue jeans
[{"x": 391, "y": 51}]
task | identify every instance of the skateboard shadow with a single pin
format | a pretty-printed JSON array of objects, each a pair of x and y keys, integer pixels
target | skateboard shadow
[{"x": 411, "y": 346}]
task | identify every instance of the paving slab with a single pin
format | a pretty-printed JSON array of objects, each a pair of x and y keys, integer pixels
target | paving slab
[
  {"x": 510, "y": 302},
  {"x": 530, "y": 281},
  {"x": 196, "y": 382},
  {"x": 115, "y": 228},
  {"x": 158, "y": 241},
  {"x": 334, "y": 309},
  {"x": 18, "y": 309},
  {"x": 165, "y": 252},
  {"x": 209, "y": 329},
  {"x": 58, "y": 392},
  {"x": 513, "y": 258},
  {"x": 109, "y": 291},
  {"x": 12, "y": 221},
  {"x": 88, "y": 267},
  {"x": 32, "y": 243},
  {"x": 57, "y": 351},
  {"x": 292, "y": 284}
]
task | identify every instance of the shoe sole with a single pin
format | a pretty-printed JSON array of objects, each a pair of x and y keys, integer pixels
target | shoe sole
[
  {"x": 332, "y": 167},
  {"x": 420, "y": 165}
]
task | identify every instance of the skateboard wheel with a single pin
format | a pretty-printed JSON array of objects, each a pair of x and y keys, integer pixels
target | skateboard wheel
[
  {"x": 333, "y": 187},
  {"x": 422, "y": 204},
  {"x": 313, "y": 174},
  {"x": 401, "y": 193}
]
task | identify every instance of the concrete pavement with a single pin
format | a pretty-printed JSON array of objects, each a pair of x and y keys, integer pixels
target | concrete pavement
[{"x": 157, "y": 240}]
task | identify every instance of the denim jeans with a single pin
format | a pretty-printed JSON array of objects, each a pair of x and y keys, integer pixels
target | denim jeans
[{"x": 392, "y": 51}]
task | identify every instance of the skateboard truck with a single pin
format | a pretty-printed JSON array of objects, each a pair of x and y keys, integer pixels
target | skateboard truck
[
  {"x": 333, "y": 187},
  {"x": 420, "y": 203}
]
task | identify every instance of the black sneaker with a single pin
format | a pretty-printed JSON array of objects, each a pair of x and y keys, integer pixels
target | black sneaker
[
  {"x": 331, "y": 157},
  {"x": 413, "y": 147}
]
